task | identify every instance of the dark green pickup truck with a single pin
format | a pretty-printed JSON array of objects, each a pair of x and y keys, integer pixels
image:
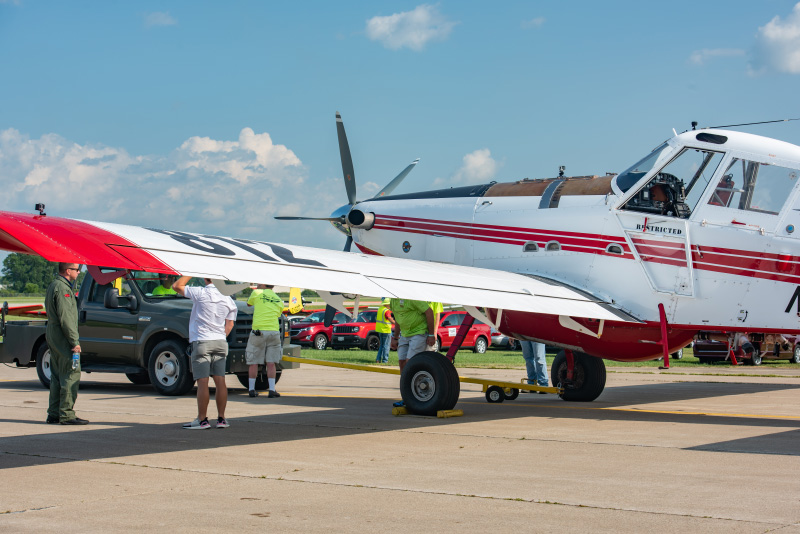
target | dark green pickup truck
[{"x": 145, "y": 336}]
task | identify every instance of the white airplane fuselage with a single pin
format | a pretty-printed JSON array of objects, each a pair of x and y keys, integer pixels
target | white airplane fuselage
[{"x": 721, "y": 255}]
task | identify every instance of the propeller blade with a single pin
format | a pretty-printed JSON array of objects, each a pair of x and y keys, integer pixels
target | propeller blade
[
  {"x": 330, "y": 312},
  {"x": 397, "y": 179},
  {"x": 331, "y": 219},
  {"x": 347, "y": 161},
  {"x": 348, "y": 243}
]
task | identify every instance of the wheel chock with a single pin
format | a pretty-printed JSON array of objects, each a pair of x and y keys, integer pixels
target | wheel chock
[
  {"x": 399, "y": 410},
  {"x": 444, "y": 414}
]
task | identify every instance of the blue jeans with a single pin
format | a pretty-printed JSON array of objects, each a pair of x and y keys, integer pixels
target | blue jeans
[
  {"x": 383, "y": 348},
  {"x": 535, "y": 362}
]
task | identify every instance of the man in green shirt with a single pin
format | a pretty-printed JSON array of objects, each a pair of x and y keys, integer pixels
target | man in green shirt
[
  {"x": 166, "y": 286},
  {"x": 61, "y": 305},
  {"x": 264, "y": 343},
  {"x": 415, "y": 330}
]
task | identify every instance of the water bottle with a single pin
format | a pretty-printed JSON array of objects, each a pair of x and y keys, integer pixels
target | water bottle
[{"x": 76, "y": 360}]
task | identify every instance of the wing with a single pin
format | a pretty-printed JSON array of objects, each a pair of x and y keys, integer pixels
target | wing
[{"x": 165, "y": 251}]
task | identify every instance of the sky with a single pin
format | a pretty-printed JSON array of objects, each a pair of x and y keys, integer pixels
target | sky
[{"x": 213, "y": 117}]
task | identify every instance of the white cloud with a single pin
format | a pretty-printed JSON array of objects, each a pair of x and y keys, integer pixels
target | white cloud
[
  {"x": 410, "y": 29},
  {"x": 205, "y": 185},
  {"x": 536, "y": 22},
  {"x": 159, "y": 18},
  {"x": 701, "y": 57},
  {"x": 477, "y": 167},
  {"x": 777, "y": 46}
]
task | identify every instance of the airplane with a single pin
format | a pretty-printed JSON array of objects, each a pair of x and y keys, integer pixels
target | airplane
[{"x": 699, "y": 234}]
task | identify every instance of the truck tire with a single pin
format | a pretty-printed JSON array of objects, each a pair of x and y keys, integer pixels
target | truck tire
[
  {"x": 373, "y": 343},
  {"x": 139, "y": 378},
  {"x": 169, "y": 368},
  {"x": 43, "y": 364},
  {"x": 262, "y": 382}
]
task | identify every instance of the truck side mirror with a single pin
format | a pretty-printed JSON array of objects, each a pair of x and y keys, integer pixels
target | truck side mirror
[
  {"x": 111, "y": 298},
  {"x": 133, "y": 303}
]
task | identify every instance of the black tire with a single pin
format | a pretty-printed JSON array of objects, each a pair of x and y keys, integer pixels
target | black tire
[
  {"x": 320, "y": 342},
  {"x": 43, "y": 364},
  {"x": 796, "y": 354},
  {"x": 139, "y": 378},
  {"x": 677, "y": 355},
  {"x": 706, "y": 361},
  {"x": 755, "y": 358},
  {"x": 170, "y": 369},
  {"x": 480, "y": 345},
  {"x": 373, "y": 343},
  {"x": 429, "y": 383},
  {"x": 262, "y": 382},
  {"x": 495, "y": 394},
  {"x": 513, "y": 395},
  {"x": 589, "y": 377}
]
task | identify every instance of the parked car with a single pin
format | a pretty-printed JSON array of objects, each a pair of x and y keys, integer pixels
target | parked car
[
  {"x": 765, "y": 347},
  {"x": 502, "y": 341},
  {"x": 479, "y": 336},
  {"x": 359, "y": 333},
  {"x": 311, "y": 331}
]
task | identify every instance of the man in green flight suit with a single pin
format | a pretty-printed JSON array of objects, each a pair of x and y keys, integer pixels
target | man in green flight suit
[
  {"x": 264, "y": 343},
  {"x": 61, "y": 305}
]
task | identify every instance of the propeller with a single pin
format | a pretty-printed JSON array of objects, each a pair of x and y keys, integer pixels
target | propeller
[{"x": 339, "y": 217}]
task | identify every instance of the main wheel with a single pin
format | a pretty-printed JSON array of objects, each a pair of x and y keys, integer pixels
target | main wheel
[
  {"x": 429, "y": 383},
  {"x": 139, "y": 378},
  {"x": 320, "y": 342},
  {"x": 589, "y": 377},
  {"x": 43, "y": 364},
  {"x": 796, "y": 354},
  {"x": 373, "y": 343},
  {"x": 262, "y": 382},
  {"x": 169, "y": 368},
  {"x": 495, "y": 394},
  {"x": 480, "y": 345}
]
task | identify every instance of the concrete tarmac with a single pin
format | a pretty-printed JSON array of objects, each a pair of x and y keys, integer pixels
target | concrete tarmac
[{"x": 692, "y": 450}]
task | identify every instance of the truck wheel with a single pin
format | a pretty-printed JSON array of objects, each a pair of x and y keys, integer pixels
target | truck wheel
[
  {"x": 429, "y": 383},
  {"x": 320, "y": 342},
  {"x": 43, "y": 364},
  {"x": 373, "y": 343},
  {"x": 796, "y": 354},
  {"x": 169, "y": 368},
  {"x": 589, "y": 377},
  {"x": 480, "y": 345},
  {"x": 262, "y": 382},
  {"x": 139, "y": 378}
]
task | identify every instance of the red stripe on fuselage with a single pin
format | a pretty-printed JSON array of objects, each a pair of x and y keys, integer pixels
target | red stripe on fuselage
[{"x": 68, "y": 240}]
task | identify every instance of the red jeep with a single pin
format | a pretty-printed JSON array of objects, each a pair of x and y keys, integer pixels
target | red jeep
[
  {"x": 479, "y": 336},
  {"x": 311, "y": 331},
  {"x": 359, "y": 333}
]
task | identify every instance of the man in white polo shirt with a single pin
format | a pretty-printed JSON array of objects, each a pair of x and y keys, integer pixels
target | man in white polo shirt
[{"x": 212, "y": 319}]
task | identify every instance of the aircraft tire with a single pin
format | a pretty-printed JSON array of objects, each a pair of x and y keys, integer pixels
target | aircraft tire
[
  {"x": 589, "y": 381},
  {"x": 262, "y": 382},
  {"x": 429, "y": 383}
]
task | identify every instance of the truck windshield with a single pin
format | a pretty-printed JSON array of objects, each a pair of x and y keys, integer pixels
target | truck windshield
[{"x": 159, "y": 285}]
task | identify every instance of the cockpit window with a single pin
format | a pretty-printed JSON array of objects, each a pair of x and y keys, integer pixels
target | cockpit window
[
  {"x": 628, "y": 179},
  {"x": 753, "y": 186},
  {"x": 676, "y": 189}
]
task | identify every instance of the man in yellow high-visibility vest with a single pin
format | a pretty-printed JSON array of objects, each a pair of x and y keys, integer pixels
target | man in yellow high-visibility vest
[{"x": 383, "y": 326}]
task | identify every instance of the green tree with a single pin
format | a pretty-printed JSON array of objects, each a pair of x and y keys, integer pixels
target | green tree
[{"x": 21, "y": 269}]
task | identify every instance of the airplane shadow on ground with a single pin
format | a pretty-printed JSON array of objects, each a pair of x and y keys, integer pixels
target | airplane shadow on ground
[{"x": 330, "y": 418}]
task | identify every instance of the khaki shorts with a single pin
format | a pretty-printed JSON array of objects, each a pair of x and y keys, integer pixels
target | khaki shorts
[
  {"x": 265, "y": 348},
  {"x": 411, "y": 346},
  {"x": 209, "y": 358}
]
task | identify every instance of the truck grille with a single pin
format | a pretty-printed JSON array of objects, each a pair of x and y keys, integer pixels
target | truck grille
[
  {"x": 345, "y": 329},
  {"x": 241, "y": 331}
]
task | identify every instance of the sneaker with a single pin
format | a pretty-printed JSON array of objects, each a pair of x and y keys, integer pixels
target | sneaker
[
  {"x": 253, "y": 393},
  {"x": 398, "y": 404},
  {"x": 197, "y": 424},
  {"x": 222, "y": 422},
  {"x": 273, "y": 394}
]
